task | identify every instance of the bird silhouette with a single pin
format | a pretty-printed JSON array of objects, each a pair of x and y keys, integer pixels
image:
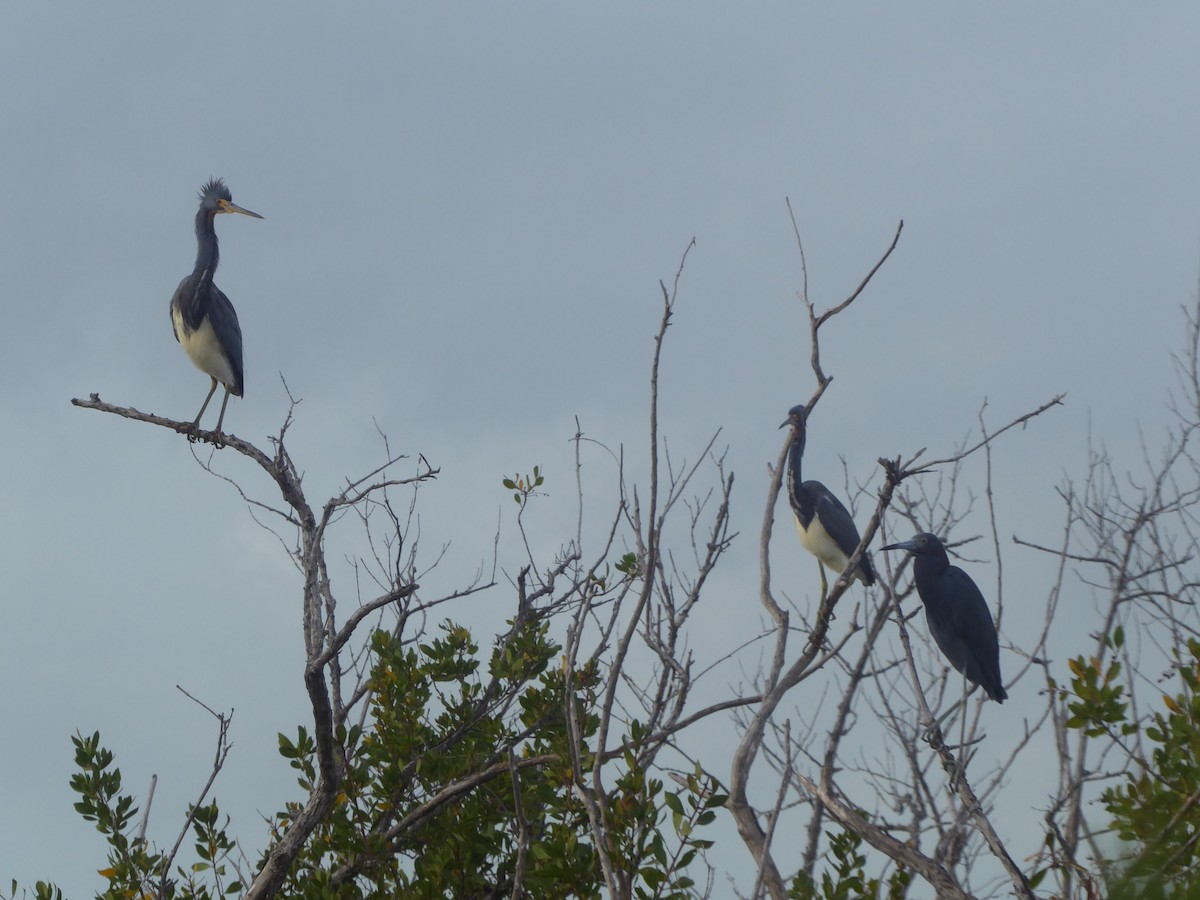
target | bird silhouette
[
  {"x": 825, "y": 527},
  {"x": 202, "y": 317},
  {"x": 957, "y": 614}
]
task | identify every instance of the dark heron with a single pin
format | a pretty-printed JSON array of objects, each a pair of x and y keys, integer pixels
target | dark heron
[
  {"x": 202, "y": 316},
  {"x": 825, "y": 527},
  {"x": 957, "y": 614}
]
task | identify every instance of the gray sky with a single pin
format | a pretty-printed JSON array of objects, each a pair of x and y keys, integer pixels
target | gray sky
[{"x": 468, "y": 209}]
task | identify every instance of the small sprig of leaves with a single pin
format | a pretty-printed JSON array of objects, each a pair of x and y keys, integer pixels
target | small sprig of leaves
[
  {"x": 630, "y": 565},
  {"x": 524, "y": 486},
  {"x": 1096, "y": 696}
]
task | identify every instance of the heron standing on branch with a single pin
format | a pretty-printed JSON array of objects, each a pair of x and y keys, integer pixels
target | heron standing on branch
[
  {"x": 203, "y": 318},
  {"x": 957, "y": 614},
  {"x": 825, "y": 527}
]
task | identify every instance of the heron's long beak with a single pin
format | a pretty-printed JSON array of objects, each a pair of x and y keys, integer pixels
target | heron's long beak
[
  {"x": 227, "y": 207},
  {"x": 910, "y": 546}
]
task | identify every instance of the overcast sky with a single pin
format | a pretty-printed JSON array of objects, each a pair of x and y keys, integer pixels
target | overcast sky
[{"x": 468, "y": 208}]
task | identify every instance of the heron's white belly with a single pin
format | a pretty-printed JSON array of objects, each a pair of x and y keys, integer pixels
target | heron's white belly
[
  {"x": 818, "y": 542},
  {"x": 203, "y": 349}
]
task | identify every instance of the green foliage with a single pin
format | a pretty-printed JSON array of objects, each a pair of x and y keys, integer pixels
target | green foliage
[
  {"x": 461, "y": 777},
  {"x": 523, "y": 487},
  {"x": 434, "y": 726},
  {"x": 41, "y": 891},
  {"x": 212, "y": 847},
  {"x": 1097, "y": 706},
  {"x": 430, "y": 727},
  {"x": 131, "y": 866},
  {"x": 1156, "y": 808},
  {"x": 629, "y": 565},
  {"x": 695, "y": 808},
  {"x": 846, "y": 878},
  {"x": 134, "y": 868}
]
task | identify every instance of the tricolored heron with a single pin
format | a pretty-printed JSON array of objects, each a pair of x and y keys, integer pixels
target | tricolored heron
[
  {"x": 957, "y": 614},
  {"x": 825, "y": 527},
  {"x": 202, "y": 316}
]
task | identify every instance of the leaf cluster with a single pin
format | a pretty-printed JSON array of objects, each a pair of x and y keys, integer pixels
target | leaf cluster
[
  {"x": 135, "y": 868},
  {"x": 846, "y": 878},
  {"x": 459, "y": 782},
  {"x": 1155, "y": 809}
]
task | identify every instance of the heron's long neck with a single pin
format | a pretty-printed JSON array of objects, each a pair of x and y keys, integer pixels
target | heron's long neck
[
  {"x": 795, "y": 454},
  {"x": 794, "y": 476},
  {"x": 207, "y": 252},
  {"x": 930, "y": 565}
]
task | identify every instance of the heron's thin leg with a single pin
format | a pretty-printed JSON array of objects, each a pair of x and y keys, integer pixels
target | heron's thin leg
[
  {"x": 962, "y": 736},
  {"x": 221, "y": 418},
  {"x": 200, "y": 415}
]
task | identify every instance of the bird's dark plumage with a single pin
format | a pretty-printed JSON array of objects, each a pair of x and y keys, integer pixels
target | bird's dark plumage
[
  {"x": 958, "y": 616},
  {"x": 202, "y": 317},
  {"x": 825, "y": 526}
]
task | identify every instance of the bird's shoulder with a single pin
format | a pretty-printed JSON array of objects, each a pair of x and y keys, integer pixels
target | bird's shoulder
[
  {"x": 221, "y": 305},
  {"x": 823, "y": 497},
  {"x": 181, "y": 292},
  {"x": 957, "y": 576},
  {"x": 191, "y": 301},
  {"x": 182, "y": 309},
  {"x": 969, "y": 600}
]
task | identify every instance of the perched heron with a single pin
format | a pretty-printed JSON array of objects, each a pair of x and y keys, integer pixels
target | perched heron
[
  {"x": 202, "y": 316},
  {"x": 957, "y": 614},
  {"x": 825, "y": 527}
]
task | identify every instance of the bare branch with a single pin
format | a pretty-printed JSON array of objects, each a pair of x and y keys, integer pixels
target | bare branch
[{"x": 222, "y": 752}]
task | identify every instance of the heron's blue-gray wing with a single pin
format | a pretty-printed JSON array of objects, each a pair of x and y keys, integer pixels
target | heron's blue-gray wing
[
  {"x": 177, "y": 301},
  {"x": 835, "y": 518},
  {"x": 977, "y": 646},
  {"x": 839, "y": 525},
  {"x": 229, "y": 333}
]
